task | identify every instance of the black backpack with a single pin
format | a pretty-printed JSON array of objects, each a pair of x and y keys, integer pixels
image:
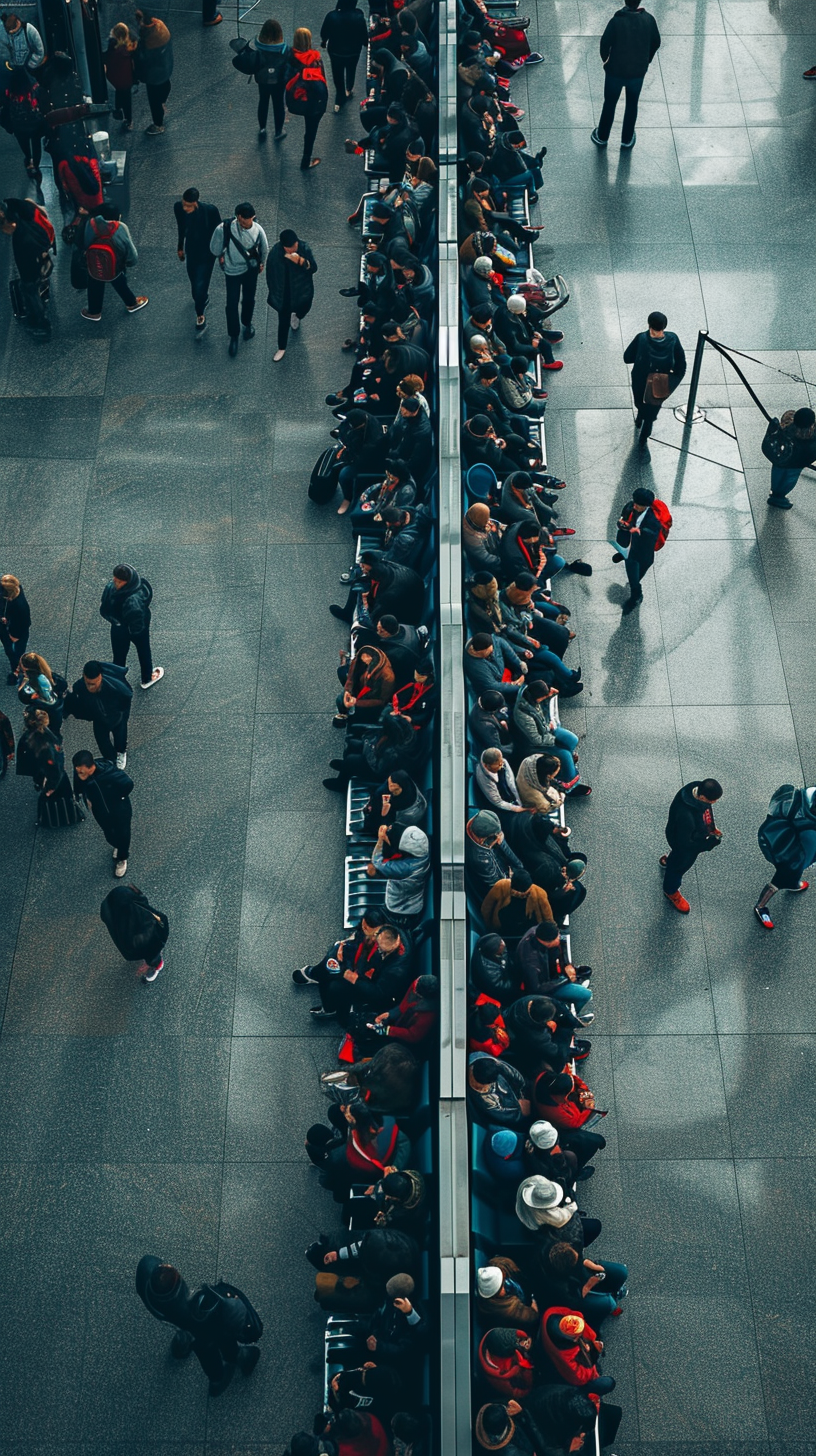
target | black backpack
[
  {"x": 778, "y": 834},
  {"x": 213, "y": 1301},
  {"x": 270, "y": 68}
]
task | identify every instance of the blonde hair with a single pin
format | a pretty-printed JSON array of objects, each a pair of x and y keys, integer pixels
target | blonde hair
[
  {"x": 123, "y": 37},
  {"x": 32, "y": 662},
  {"x": 412, "y": 384},
  {"x": 302, "y": 39},
  {"x": 11, "y": 586}
]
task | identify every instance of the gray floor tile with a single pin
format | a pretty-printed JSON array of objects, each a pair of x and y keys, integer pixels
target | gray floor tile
[
  {"x": 669, "y": 1097},
  {"x": 745, "y": 1068},
  {"x": 259, "y": 1067}
]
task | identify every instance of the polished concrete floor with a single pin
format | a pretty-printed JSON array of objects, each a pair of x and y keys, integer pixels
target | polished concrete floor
[
  {"x": 170, "y": 1118},
  {"x": 705, "y": 1044}
]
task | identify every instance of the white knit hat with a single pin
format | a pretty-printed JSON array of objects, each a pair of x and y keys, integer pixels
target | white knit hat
[{"x": 543, "y": 1135}]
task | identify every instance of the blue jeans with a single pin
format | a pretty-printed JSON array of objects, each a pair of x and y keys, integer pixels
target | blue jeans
[
  {"x": 572, "y": 994},
  {"x": 555, "y": 564},
  {"x": 565, "y": 746},
  {"x": 783, "y": 479},
  {"x": 597, "y": 1306},
  {"x": 550, "y": 662},
  {"x": 613, "y": 85}
]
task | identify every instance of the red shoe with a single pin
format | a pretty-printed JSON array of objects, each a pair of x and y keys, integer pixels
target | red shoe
[
  {"x": 556, "y": 364},
  {"x": 797, "y": 889},
  {"x": 764, "y": 918},
  {"x": 563, "y": 531},
  {"x": 679, "y": 903}
]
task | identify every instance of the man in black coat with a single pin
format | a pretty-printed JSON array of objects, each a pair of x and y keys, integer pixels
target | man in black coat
[
  {"x": 210, "y": 1323},
  {"x": 32, "y": 249},
  {"x": 126, "y": 605},
  {"x": 137, "y": 930},
  {"x": 196, "y": 222},
  {"x": 397, "y": 591},
  {"x": 410, "y": 439},
  {"x": 102, "y": 697},
  {"x": 654, "y": 352},
  {"x": 638, "y": 530},
  {"x": 629, "y": 44},
  {"x": 397, "y": 1331},
  {"x": 106, "y": 791},
  {"x": 375, "y": 984},
  {"x": 290, "y": 270},
  {"x": 690, "y": 831}
]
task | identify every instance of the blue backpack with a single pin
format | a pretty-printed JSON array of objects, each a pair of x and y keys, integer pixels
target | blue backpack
[{"x": 778, "y": 834}]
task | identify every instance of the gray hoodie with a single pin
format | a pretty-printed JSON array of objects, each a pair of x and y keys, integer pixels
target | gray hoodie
[{"x": 406, "y": 875}]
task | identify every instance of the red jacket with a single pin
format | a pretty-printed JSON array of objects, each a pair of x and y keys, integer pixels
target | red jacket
[
  {"x": 567, "y": 1114},
  {"x": 372, "y": 1157},
  {"x": 372, "y": 1442},
  {"x": 512, "y": 1376},
  {"x": 413, "y": 1019},
  {"x": 575, "y": 1364}
]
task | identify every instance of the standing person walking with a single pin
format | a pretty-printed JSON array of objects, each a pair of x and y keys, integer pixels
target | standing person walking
[
  {"x": 21, "y": 46},
  {"x": 658, "y": 365},
  {"x": 15, "y": 623},
  {"x": 126, "y": 605},
  {"x": 154, "y": 66},
  {"x": 629, "y": 44},
  {"x": 33, "y": 245},
  {"x": 290, "y": 284},
  {"x": 106, "y": 791},
  {"x": 344, "y": 34},
  {"x": 137, "y": 930},
  {"x": 23, "y": 108},
  {"x": 120, "y": 69},
  {"x": 307, "y": 93},
  {"x": 196, "y": 222},
  {"x": 638, "y": 531},
  {"x": 790, "y": 445},
  {"x": 109, "y": 251},
  {"x": 102, "y": 698},
  {"x": 691, "y": 831},
  {"x": 216, "y": 1323},
  {"x": 271, "y": 57},
  {"x": 241, "y": 247},
  {"x": 787, "y": 838}
]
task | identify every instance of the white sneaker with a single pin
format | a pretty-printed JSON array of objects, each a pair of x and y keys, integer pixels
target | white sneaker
[
  {"x": 121, "y": 760},
  {"x": 278, "y": 355},
  {"x": 152, "y": 972},
  {"x": 158, "y": 674},
  {"x": 294, "y": 322},
  {"x": 120, "y": 869}
]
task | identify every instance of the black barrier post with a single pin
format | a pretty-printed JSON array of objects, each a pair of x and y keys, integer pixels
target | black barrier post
[{"x": 688, "y": 414}]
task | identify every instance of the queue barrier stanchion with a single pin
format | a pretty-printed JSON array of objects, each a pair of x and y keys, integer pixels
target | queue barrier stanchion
[{"x": 689, "y": 413}]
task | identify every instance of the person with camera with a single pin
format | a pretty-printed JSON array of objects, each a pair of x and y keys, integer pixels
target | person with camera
[{"x": 242, "y": 248}]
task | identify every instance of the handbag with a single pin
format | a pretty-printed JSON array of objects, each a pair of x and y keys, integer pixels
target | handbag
[
  {"x": 657, "y": 388},
  {"x": 249, "y": 255},
  {"x": 777, "y": 446}
]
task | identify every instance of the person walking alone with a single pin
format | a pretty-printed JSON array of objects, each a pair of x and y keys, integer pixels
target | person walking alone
[
  {"x": 787, "y": 838},
  {"x": 658, "y": 365},
  {"x": 154, "y": 66},
  {"x": 137, "y": 930},
  {"x": 106, "y": 791},
  {"x": 796, "y": 433},
  {"x": 126, "y": 605},
  {"x": 196, "y": 222},
  {"x": 290, "y": 284},
  {"x": 691, "y": 831},
  {"x": 102, "y": 698},
  {"x": 629, "y": 44},
  {"x": 109, "y": 251},
  {"x": 638, "y": 530},
  {"x": 241, "y": 247},
  {"x": 216, "y": 1323},
  {"x": 344, "y": 34},
  {"x": 307, "y": 93},
  {"x": 15, "y": 623}
]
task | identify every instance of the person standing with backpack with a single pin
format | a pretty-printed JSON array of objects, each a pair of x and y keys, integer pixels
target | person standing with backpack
[
  {"x": 271, "y": 57},
  {"x": 21, "y": 46},
  {"x": 137, "y": 930},
  {"x": 109, "y": 250},
  {"x": 658, "y": 365},
  {"x": 196, "y": 221},
  {"x": 241, "y": 247},
  {"x": 33, "y": 243},
  {"x": 154, "y": 66},
  {"x": 216, "y": 1323},
  {"x": 344, "y": 34},
  {"x": 690, "y": 831},
  {"x": 126, "y": 605},
  {"x": 25, "y": 120},
  {"x": 787, "y": 838},
  {"x": 642, "y": 530},
  {"x": 307, "y": 93}
]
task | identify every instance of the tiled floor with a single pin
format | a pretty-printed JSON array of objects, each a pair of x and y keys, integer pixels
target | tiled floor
[
  {"x": 705, "y": 1028},
  {"x": 170, "y": 1118}
]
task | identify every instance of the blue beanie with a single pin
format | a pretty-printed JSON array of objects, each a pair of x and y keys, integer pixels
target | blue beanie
[{"x": 504, "y": 1143}]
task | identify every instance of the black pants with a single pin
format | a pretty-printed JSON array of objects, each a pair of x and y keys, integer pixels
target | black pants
[
  {"x": 36, "y": 304},
  {"x": 120, "y": 646},
  {"x": 156, "y": 97},
  {"x": 635, "y": 572},
  {"x": 31, "y": 148},
  {"x": 123, "y": 101},
  {"x": 309, "y": 134},
  {"x": 276, "y": 95},
  {"x": 117, "y": 831},
  {"x": 343, "y": 69},
  {"x": 199, "y": 272},
  {"x": 111, "y": 741},
  {"x": 284, "y": 324},
  {"x": 96, "y": 293},
  {"x": 13, "y": 650},
  {"x": 240, "y": 287},
  {"x": 209, "y": 10}
]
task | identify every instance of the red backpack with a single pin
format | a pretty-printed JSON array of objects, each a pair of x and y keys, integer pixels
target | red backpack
[
  {"x": 664, "y": 516},
  {"x": 42, "y": 220},
  {"x": 307, "y": 91},
  {"x": 101, "y": 260}
]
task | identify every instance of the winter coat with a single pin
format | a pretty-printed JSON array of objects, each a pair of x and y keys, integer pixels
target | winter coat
[
  {"x": 484, "y": 865},
  {"x": 574, "y": 1363},
  {"x": 411, "y": 441},
  {"x": 531, "y": 725},
  {"x": 559, "y": 1217},
  {"x": 372, "y": 685},
  {"x": 654, "y": 356},
  {"x": 539, "y": 966},
  {"x": 386, "y": 1148},
  {"x": 484, "y": 613},
  {"x": 399, "y": 816},
  {"x": 23, "y": 49},
  {"x": 499, "y": 1105},
  {"x": 540, "y": 853},
  {"x": 40, "y": 756},
  {"x": 493, "y": 978},
  {"x": 406, "y": 871},
  {"x": 120, "y": 65},
  {"x": 803, "y": 441},
  {"x": 383, "y": 979},
  {"x": 171, "y": 1308},
  {"x": 498, "y": 789},
  {"x": 400, "y": 1337},
  {"x": 512, "y": 1376},
  {"x": 533, "y": 1044},
  {"x": 566, "y": 1114},
  {"x": 484, "y": 673},
  {"x": 518, "y": 555},
  {"x": 405, "y": 547},
  {"x": 106, "y": 793},
  {"x": 629, "y": 43},
  {"x": 400, "y": 593},
  {"x": 533, "y": 793},
  {"x": 154, "y": 58},
  {"x": 109, "y": 706},
  {"x": 300, "y": 275},
  {"x": 520, "y": 613},
  {"x": 413, "y": 1020},
  {"x": 482, "y": 548},
  {"x": 389, "y": 1081},
  {"x": 503, "y": 910},
  {"x": 506, "y": 1309},
  {"x": 344, "y": 32},
  {"x": 15, "y": 614},
  {"x": 691, "y": 822},
  {"x": 642, "y": 546},
  {"x": 515, "y": 391},
  {"x": 132, "y": 924},
  {"x": 485, "y": 728},
  {"x": 128, "y": 606},
  {"x": 519, "y": 504}
]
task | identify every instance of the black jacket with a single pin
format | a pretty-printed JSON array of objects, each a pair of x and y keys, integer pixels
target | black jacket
[
  {"x": 690, "y": 822},
  {"x": 642, "y": 546},
  {"x": 400, "y": 1338},
  {"x": 485, "y": 865},
  {"x": 364, "y": 448},
  {"x": 485, "y": 730},
  {"x": 411, "y": 441},
  {"x": 405, "y": 548},
  {"x": 491, "y": 977},
  {"x": 400, "y": 593},
  {"x": 15, "y": 617},
  {"x": 629, "y": 43},
  {"x": 411, "y": 360},
  {"x": 344, "y": 31},
  {"x": 128, "y": 606},
  {"x": 290, "y": 285},
  {"x": 40, "y": 757},
  {"x": 390, "y": 978},
  {"x": 654, "y": 356},
  {"x": 131, "y": 923},
  {"x": 539, "y": 852},
  {"x": 195, "y": 229},
  {"x": 109, "y": 706},
  {"x": 106, "y": 793}
]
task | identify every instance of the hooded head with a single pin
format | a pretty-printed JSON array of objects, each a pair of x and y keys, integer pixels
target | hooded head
[
  {"x": 516, "y": 304},
  {"x": 489, "y": 1281},
  {"x": 501, "y": 1343},
  {"x": 543, "y": 1135},
  {"x": 414, "y": 841}
]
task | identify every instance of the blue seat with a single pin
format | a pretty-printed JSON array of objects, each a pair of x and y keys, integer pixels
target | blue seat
[{"x": 480, "y": 482}]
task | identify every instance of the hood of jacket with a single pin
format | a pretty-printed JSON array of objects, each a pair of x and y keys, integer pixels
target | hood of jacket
[
  {"x": 414, "y": 841},
  {"x": 154, "y": 36}
]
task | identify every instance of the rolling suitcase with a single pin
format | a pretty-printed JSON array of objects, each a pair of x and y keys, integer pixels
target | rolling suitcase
[
  {"x": 323, "y": 483},
  {"x": 18, "y": 307},
  {"x": 57, "y": 812}
]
